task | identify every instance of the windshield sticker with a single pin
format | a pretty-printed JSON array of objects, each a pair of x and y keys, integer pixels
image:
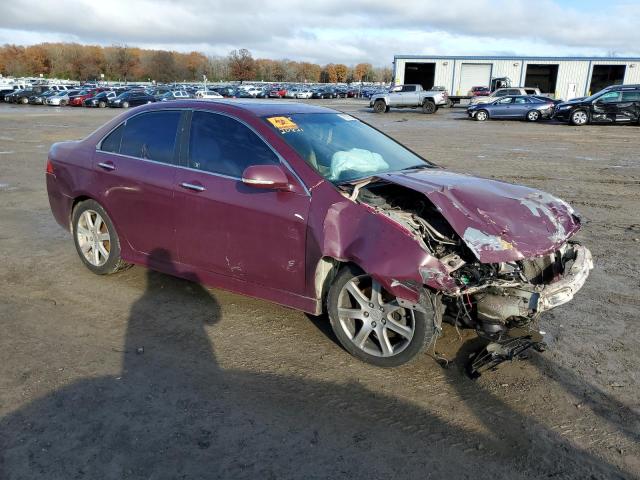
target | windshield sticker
[
  {"x": 284, "y": 124},
  {"x": 346, "y": 117}
]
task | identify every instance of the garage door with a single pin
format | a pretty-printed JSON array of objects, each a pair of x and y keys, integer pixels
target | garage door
[{"x": 474, "y": 75}]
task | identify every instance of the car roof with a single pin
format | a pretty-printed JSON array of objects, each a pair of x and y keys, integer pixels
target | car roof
[{"x": 257, "y": 107}]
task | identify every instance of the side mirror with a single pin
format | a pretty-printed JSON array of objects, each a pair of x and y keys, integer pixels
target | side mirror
[{"x": 270, "y": 177}]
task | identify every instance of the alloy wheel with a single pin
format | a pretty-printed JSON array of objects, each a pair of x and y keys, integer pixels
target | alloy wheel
[
  {"x": 533, "y": 115},
  {"x": 93, "y": 238},
  {"x": 372, "y": 319},
  {"x": 579, "y": 117}
]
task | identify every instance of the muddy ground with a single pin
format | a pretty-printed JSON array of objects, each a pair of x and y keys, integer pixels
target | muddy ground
[{"x": 144, "y": 376}]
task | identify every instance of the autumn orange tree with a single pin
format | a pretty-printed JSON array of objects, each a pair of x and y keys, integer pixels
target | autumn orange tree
[{"x": 126, "y": 63}]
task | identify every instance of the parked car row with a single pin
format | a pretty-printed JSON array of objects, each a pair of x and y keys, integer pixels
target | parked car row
[
  {"x": 91, "y": 95},
  {"x": 614, "y": 104},
  {"x": 101, "y": 97}
]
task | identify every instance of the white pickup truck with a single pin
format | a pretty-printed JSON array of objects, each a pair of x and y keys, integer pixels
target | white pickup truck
[{"x": 409, "y": 96}]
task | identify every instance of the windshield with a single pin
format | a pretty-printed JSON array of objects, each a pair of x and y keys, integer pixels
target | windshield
[{"x": 341, "y": 148}]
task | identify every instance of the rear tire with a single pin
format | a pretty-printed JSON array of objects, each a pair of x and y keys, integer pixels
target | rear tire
[
  {"x": 96, "y": 239},
  {"x": 579, "y": 118},
  {"x": 125, "y": 104},
  {"x": 370, "y": 327},
  {"x": 429, "y": 107},
  {"x": 24, "y": 100},
  {"x": 379, "y": 106},
  {"x": 533, "y": 116},
  {"x": 102, "y": 104}
]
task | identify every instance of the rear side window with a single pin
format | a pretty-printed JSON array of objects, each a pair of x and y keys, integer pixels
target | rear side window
[
  {"x": 220, "y": 144},
  {"x": 631, "y": 96},
  {"x": 151, "y": 136},
  {"x": 111, "y": 143}
]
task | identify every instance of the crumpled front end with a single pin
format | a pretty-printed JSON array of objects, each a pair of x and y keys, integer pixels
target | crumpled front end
[
  {"x": 545, "y": 283},
  {"x": 500, "y": 254}
]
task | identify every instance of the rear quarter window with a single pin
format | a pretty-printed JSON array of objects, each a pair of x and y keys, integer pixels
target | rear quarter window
[{"x": 111, "y": 143}]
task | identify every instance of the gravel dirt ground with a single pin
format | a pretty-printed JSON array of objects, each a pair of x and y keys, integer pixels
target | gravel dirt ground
[{"x": 143, "y": 376}]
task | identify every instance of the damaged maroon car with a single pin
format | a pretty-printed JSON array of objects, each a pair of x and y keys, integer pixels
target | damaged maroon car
[{"x": 316, "y": 210}]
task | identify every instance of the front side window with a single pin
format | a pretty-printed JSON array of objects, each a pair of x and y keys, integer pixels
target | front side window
[
  {"x": 151, "y": 136},
  {"x": 409, "y": 88},
  {"x": 610, "y": 97},
  {"x": 504, "y": 101},
  {"x": 223, "y": 145},
  {"x": 341, "y": 148}
]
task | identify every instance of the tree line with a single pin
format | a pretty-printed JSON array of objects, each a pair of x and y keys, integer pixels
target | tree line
[{"x": 124, "y": 63}]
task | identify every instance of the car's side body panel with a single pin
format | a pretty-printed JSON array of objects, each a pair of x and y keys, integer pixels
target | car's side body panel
[{"x": 269, "y": 244}]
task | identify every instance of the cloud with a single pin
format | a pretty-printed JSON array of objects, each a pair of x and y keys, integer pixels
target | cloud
[{"x": 334, "y": 30}]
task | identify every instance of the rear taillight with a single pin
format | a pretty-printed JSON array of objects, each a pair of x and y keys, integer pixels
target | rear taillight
[{"x": 49, "y": 166}]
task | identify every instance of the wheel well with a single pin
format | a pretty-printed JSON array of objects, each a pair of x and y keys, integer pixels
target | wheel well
[
  {"x": 326, "y": 271},
  {"x": 76, "y": 201}
]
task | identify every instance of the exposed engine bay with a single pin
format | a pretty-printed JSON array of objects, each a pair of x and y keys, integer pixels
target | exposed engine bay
[{"x": 491, "y": 298}]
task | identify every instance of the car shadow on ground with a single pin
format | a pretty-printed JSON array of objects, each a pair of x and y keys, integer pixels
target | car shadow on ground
[{"x": 174, "y": 413}]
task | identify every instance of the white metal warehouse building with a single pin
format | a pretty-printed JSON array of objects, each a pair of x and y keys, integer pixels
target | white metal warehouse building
[{"x": 562, "y": 77}]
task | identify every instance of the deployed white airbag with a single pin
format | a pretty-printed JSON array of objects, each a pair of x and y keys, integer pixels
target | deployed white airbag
[{"x": 356, "y": 160}]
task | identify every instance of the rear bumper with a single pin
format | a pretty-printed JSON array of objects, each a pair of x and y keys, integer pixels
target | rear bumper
[{"x": 60, "y": 204}]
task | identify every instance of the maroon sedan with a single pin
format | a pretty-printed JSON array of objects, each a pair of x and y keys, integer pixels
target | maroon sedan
[{"x": 316, "y": 210}]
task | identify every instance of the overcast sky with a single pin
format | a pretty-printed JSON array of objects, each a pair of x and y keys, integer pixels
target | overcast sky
[{"x": 334, "y": 30}]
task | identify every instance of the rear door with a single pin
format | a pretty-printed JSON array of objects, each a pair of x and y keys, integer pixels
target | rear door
[
  {"x": 519, "y": 107},
  {"x": 232, "y": 229},
  {"x": 628, "y": 109},
  {"x": 135, "y": 170}
]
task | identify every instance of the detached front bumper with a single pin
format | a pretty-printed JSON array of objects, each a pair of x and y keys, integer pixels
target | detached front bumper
[
  {"x": 500, "y": 305},
  {"x": 561, "y": 115},
  {"x": 563, "y": 290}
]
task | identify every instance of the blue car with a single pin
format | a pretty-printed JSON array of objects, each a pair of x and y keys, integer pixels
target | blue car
[{"x": 521, "y": 107}]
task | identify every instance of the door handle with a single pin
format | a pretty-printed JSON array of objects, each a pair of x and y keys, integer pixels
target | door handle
[
  {"x": 107, "y": 166},
  {"x": 191, "y": 186}
]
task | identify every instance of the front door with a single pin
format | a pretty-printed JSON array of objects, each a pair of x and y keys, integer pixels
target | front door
[
  {"x": 502, "y": 107},
  {"x": 232, "y": 229}
]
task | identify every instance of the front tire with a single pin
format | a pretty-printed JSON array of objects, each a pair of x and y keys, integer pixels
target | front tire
[
  {"x": 579, "y": 118},
  {"x": 533, "y": 116},
  {"x": 102, "y": 104},
  {"x": 370, "y": 324},
  {"x": 96, "y": 239},
  {"x": 379, "y": 106},
  {"x": 482, "y": 115},
  {"x": 429, "y": 107},
  {"x": 125, "y": 104}
]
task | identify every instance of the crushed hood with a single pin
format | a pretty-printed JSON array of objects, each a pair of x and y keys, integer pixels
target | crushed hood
[{"x": 498, "y": 221}]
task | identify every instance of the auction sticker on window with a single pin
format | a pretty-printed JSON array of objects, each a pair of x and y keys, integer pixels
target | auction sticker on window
[{"x": 284, "y": 124}]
